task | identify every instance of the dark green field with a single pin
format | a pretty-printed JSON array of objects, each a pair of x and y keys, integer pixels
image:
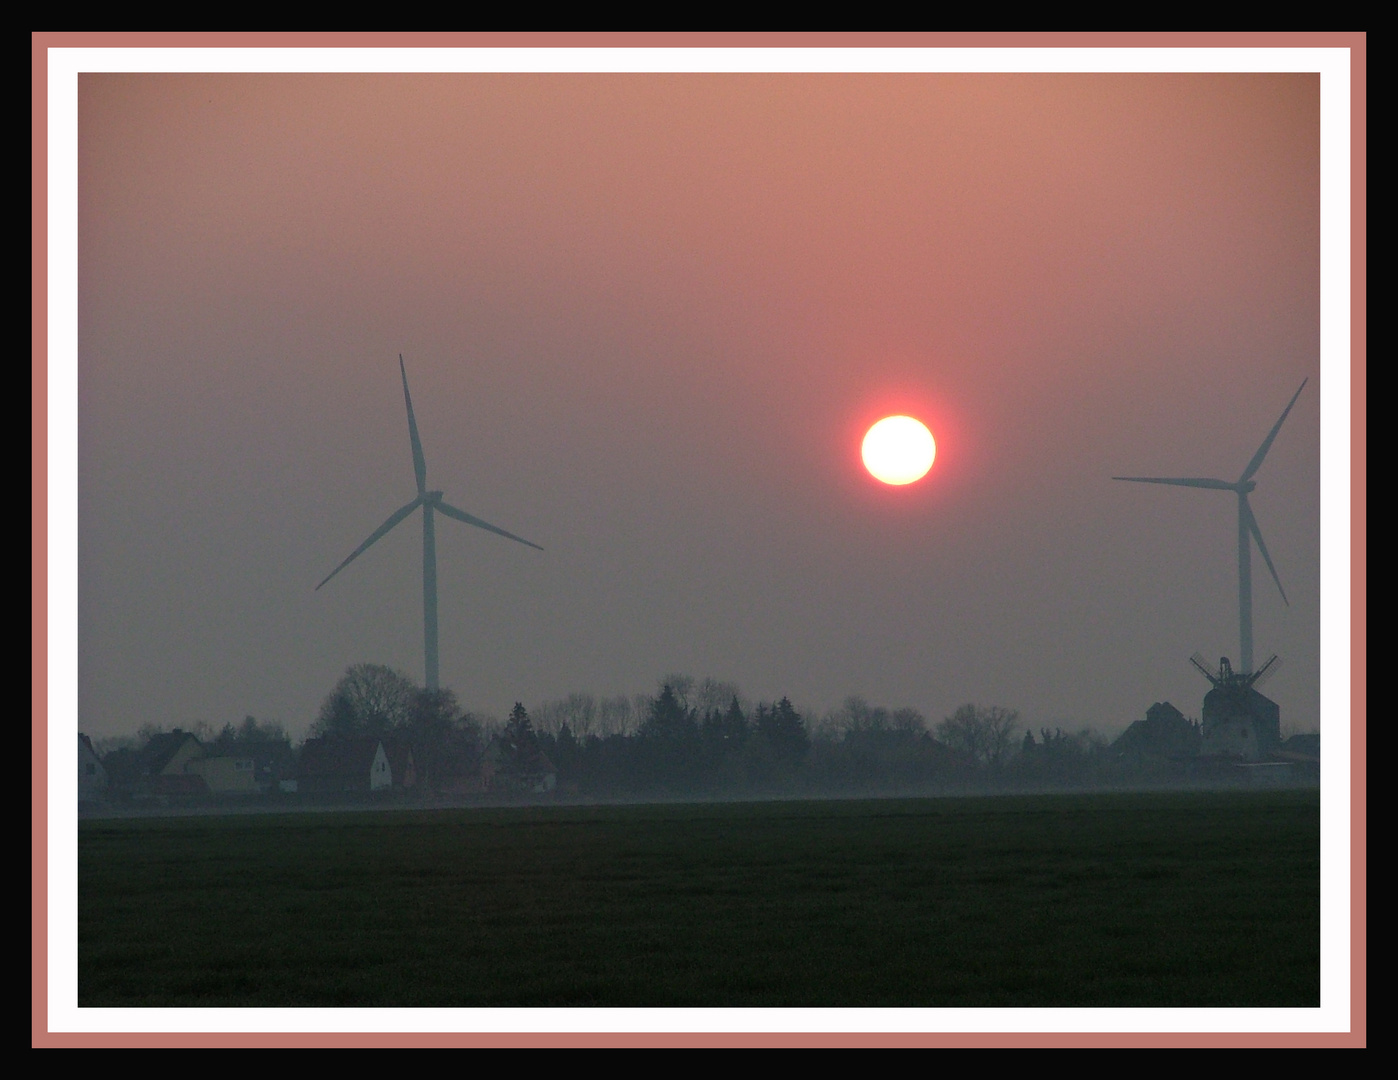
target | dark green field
[{"x": 1195, "y": 899}]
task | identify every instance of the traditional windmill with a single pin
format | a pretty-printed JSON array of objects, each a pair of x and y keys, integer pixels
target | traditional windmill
[{"x": 1238, "y": 721}]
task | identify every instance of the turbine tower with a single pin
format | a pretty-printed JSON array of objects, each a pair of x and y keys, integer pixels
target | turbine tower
[
  {"x": 1248, "y": 530},
  {"x": 430, "y": 501}
]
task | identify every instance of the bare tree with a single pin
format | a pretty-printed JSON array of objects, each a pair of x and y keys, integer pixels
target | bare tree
[
  {"x": 681, "y": 685},
  {"x": 640, "y": 709},
  {"x": 908, "y": 721},
  {"x": 983, "y": 733},
  {"x": 714, "y": 695},
  {"x": 369, "y": 699},
  {"x": 578, "y": 711},
  {"x": 615, "y": 716},
  {"x": 548, "y": 717},
  {"x": 857, "y": 715}
]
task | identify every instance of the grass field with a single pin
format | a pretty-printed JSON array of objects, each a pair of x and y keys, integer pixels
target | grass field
[{"x": 1191, "y": 899}]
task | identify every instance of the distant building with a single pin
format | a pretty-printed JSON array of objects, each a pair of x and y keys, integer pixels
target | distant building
[
  {"x": 1306, "y": 745},
  {"x": 168, "y": 754},
  {"x": 531, "y": 772},
  {"x": 273, "y": 761},
  {"x": 157, "y": 769},
  {"x": 344, "y": 765},
  {"x": 1302, "y": 753},
  {"x": 455, "y": 768},
  {"x": 1240, "y": 723},
  {"x": 1164, "y": 733},
  {"x": 230, "y": 774}
]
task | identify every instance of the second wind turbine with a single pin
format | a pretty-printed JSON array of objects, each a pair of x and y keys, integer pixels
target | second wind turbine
[
  {"x": 430, "y": 501},
  {"x": 1248, "y": 529}
]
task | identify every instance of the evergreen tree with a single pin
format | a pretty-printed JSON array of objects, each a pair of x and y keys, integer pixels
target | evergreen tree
[
  {"x": 668, "y": 721},
  {"x": 783, "y": 730},
  {"x": 519, "y": 745}
]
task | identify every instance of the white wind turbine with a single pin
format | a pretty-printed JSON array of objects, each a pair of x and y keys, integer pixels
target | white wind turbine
[
  {"x": 429, "y": 501},
  {"x": 1248, "y": 530}
]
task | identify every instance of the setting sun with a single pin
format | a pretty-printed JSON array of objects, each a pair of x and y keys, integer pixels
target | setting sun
[{"x": 899, "y": 450}]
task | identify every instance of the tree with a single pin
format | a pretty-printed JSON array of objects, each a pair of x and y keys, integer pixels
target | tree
[
  {"x": 668, "y": 720},
  {"x": 981, "y": 733},
  {"x": 444, "y": 742},
  {"x": 566, "y": 752},
  {"x": 519, "y": 745},
  {"x": 614, "y": 716},
  {"x": 681, "y": 685},
  {"x": 668, "y": 747},
  {"x": 730, "y": 728},
  {"x": 369, "y": 699},
  {"x": 248, "y": 732},
  {"x": 713, "y": 695},
  {"x": 909, "y": 723},
  {"x": 782, "y": 728},
  {"x": 577, "y": 712}
]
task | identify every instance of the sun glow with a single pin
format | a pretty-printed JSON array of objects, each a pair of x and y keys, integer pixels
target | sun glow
[{"x": 899, "y": 450}]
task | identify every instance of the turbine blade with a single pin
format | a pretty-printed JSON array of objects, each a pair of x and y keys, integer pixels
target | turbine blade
[
  {"x": 1257, "y": 535},
  {"x": 1181, "y": 481},
  {"x": 419, "y": 462},
  {"x": 1256, "y": 462},
  {"x": 461, "y": 515},
  {"x": 397, "y": 516}
]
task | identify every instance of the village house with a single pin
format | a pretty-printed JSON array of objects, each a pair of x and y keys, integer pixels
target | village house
[
  {"x": 157, "y": 769},
  {"x": 457, "y": 770},
  {"x": 533, "y": 773},
  {"x": 232, "y": 774},
  {"x": 344, "y": 765},
  {"x": 247, "y": 766},
  {"x": 1164, "y": 733}
]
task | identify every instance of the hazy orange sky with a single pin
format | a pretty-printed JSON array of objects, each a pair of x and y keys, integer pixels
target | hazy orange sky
[{"x": 646, "y": 321}]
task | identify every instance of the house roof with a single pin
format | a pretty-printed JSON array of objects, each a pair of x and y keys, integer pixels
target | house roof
[
  {"x": 123, "y": 766},
  {"x": 161, "y": 749},
  {"x": 1164, "y": 732},
  {"x": 339, "y": 757}
]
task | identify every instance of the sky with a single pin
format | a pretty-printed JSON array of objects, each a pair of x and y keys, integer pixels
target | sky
[{"x": 646, "y": 320}]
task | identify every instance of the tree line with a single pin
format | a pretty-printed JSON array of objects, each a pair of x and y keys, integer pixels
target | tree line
[{"x": 690, "y": 738}]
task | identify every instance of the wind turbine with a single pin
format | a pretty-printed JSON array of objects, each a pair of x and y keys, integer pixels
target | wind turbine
[
  {"x": 1247, "y": 529},
  {"x": 430, "y": 501}
]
